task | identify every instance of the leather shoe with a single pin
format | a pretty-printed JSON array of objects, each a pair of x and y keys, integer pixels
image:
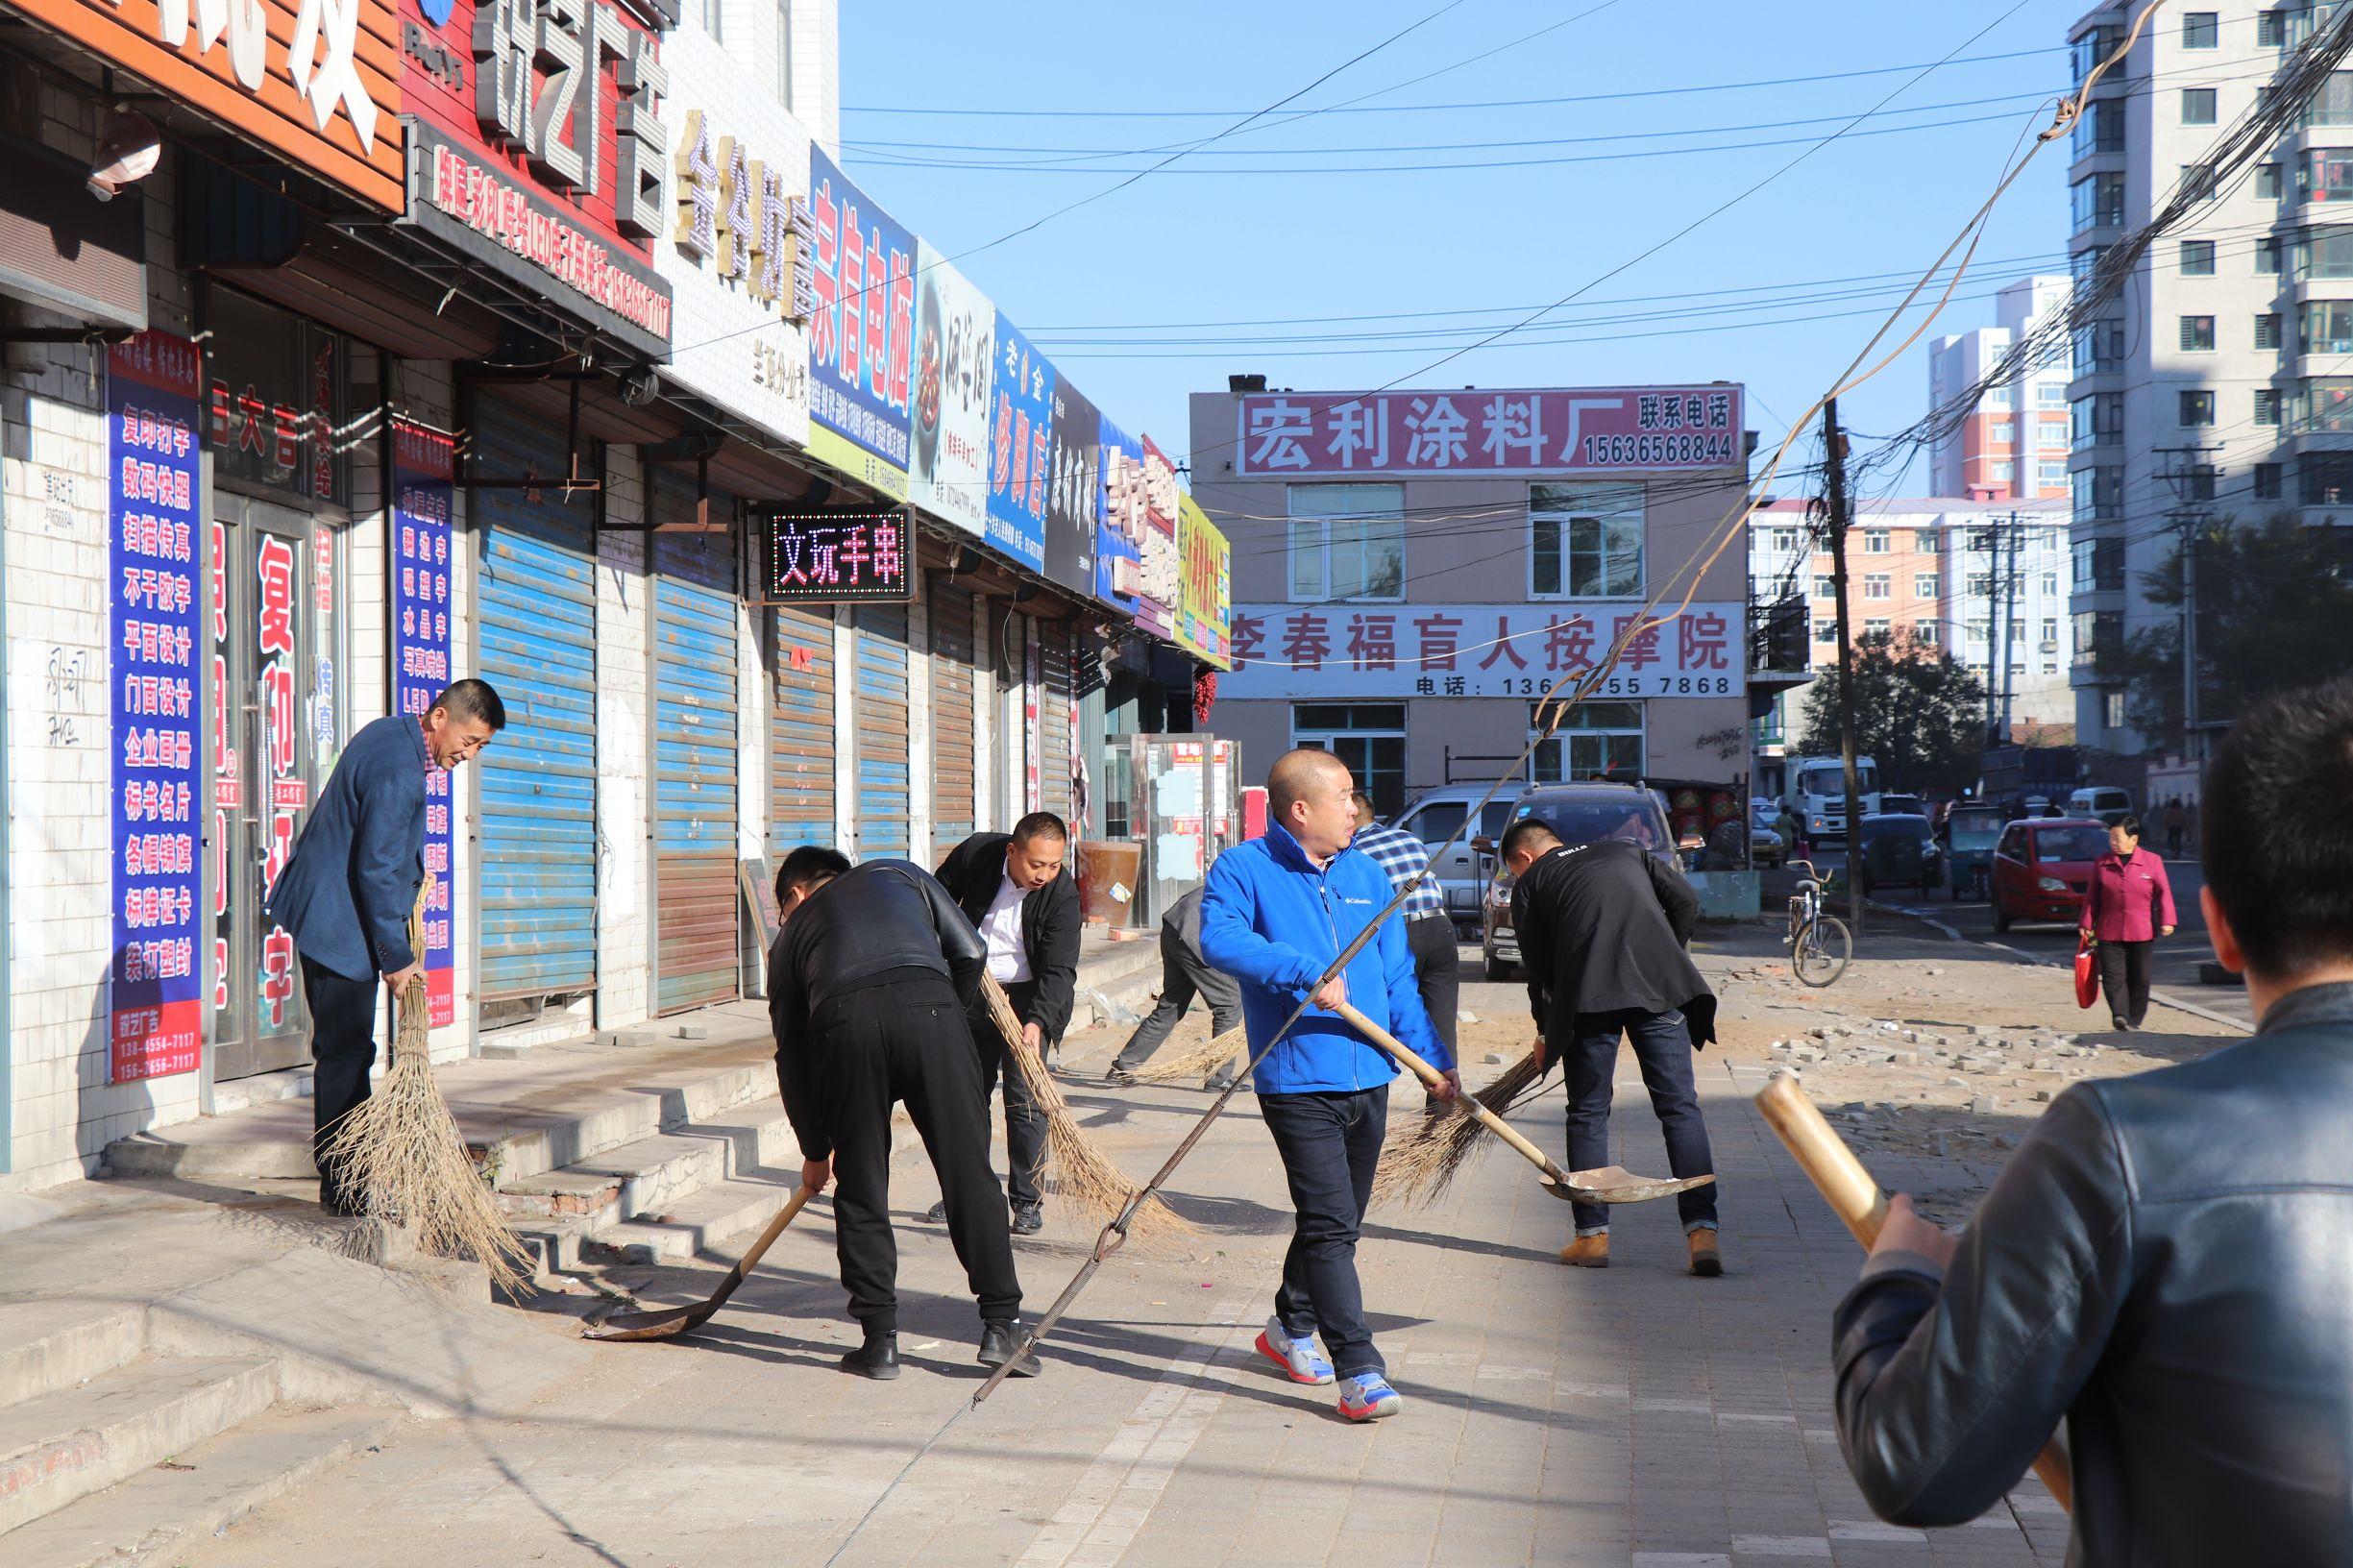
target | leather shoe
[
  {"x": 1028, "y": 1220},
  {"x": 1118, "y": 1077},
  {"x": 1706, "y": 1262},
  {"x": 877, "y": 1359},
  {"x": 936, "y": 1213},
  {"x": 997, "y": 1340},
  {"x": 1587, "y": 1252}
]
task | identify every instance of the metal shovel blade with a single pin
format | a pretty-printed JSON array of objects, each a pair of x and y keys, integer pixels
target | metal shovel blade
[
  {"x": 664, "y": 1324},
  {"x": 1615, "y": 1184}
]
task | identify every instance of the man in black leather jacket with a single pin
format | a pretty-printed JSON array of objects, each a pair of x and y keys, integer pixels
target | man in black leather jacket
[
  {"x": 2161, "y": 1264},
  {"x": 868, "y": 984}
]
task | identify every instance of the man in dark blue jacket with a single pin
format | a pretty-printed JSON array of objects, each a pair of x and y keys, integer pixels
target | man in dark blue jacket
[
  {"x": 345, "y": 894},
  {"x": 1279, "y": 910}
]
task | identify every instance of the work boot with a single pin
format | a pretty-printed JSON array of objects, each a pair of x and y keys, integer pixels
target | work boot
[
  {"x": 1587, "y": 1252},
  {"x": 1705, "y": 1261},
  {"x": 877, "y": 1359},
  {"x": 997, "y": 1338},
  {"x": 1028, "y": 1218}
]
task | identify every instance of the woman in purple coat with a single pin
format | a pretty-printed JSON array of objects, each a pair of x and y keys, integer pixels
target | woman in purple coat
[{"x": 2127, "y": 907}]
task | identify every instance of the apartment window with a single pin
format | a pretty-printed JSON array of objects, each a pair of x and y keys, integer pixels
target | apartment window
[
  {"x": 2194, "y": 409},
  {"x": 2099, "y": 419},
  {"x": 2100, "y": 130},
  {"x": 2267, "y": 182},
  {"x": 1979, "y": 632},
  {"x": 1597, "y": 740},
  {"x": 2003, "y": 431},
  {"x": 1784, "y": 539},
  {"x": 2325, "y": 479},
  {"x": 2197, "y": 484},
  {"x": 2323, "y": 406},
  {"x": 2197, "y": 335},
  {"x": 2325, "y": 175},
  {"x": 2084, "y": 262},
  {"x": 2099, "y": 348},
  {"x": 2001, "y": 473},
  {"x": 784, "y": 54},
  {"x": 1996, "y": 397},
  {"x": 2048, "y": 473},
  {"x": 1826, "y": 631},
  {"x": 2090, "y": 48},
  {"x": 1878, "y": 627},
  {"x": 2099, "y": 632},
  {"x": 2099, "y": 564},
  {"x": 1347, "y": 541},
  {"x": 2266, "y": 406},
  {"x": 2197, "y": 258},
  {"x": 712, "y": 12},
  {"x": 2267, "y": 256},
  {"x": 2051, "y": 629},
  {"x": 2268, "y": 486},
  {"x": 2201, "y": 29},
  {"x": 1925, "y": 542},
  {"x": 1587, "y": 540},
  {"x": 1369, "y": 737},
  {"x": 2111, "y": 707},
  {"x": 2333, "y": 104},
  {"x": 1978, "y": 585},
  {"x": 2051, "y": 394},
  {"x": 2099, "y": 493},
  {"x": 1924, "y": 585},
  {"x": 1824, "y": 586},
  {"x": 2325, "y": 327},
  {"x": 2266, "y": 331},
  {"x": 2097, "y": 202},
  {"x": 1874, "y": 541},
  {"x": 2197, "y": 106},
  {"x": 1879, "y": 585},
  {"x": 2270, "y": 29},
  {"x": 2050, "y": 587},
  {"x": 1927, "y": 633}
]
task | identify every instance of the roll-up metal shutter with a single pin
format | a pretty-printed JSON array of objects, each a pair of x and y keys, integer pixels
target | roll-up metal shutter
[
  {"x": 883, "y": 779},
  {"x": 952, "y": 684},
  {"x": 1056, "y": 706},
  {"x": 536, "y": 608},
  {"x": 801, "y": 728},
  {"x": 694, "y": 896}
]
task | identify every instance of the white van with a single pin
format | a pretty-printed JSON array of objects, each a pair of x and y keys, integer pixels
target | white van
[
  {"x": 2105, "y": 802},
  {"x": 1433, "y": 816}
]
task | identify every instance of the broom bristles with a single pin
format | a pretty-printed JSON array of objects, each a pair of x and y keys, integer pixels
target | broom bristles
[
  {"x": 1418, "y": 1165},
  {"x": 1197, "y": 1062},
  {"x": 1098, "y": 1188}
]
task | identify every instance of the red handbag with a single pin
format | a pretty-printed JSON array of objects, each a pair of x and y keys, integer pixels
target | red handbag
[{"x": 2087, "y": 973}]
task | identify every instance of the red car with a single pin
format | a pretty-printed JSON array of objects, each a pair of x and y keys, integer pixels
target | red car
[{"x": 2041, "y": 866}]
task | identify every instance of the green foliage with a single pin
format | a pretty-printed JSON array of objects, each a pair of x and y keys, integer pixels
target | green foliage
[{"x": 1917, "y": 711}]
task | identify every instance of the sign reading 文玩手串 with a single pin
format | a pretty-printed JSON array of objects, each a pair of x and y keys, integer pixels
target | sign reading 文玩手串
[
  {"x": 1554, "y": 431},
  {"x": 836, "y": 557}
]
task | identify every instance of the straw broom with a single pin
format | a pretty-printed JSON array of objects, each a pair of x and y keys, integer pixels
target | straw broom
[
  {"x": 1193, "y": 1064},
  {"x": 400, "y": 1150},
  {"x": 1096, "y": 1186},
  {"x": 1418, "y": 1165}
]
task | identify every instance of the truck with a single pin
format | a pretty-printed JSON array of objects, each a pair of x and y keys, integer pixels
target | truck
[
  {"x": 1817, "y": 794},
  {"x": 2009, "y": 776}
]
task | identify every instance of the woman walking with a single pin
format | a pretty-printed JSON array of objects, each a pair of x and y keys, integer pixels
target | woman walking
[{"x": 2127, "y": 907}]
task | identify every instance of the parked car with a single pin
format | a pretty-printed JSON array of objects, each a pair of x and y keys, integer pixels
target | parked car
[
  {"x": 2041, "y": 867},
  {"x": 1899, "y": 849},
  {"x": 1432, "y": 818},
  {"x": 2105, "y": 802},
  {"x": 1580, "y": 814},
  {"x": 1902, "y": 805}
]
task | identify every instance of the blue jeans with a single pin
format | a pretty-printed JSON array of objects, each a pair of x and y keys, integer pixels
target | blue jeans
[
  {"x": 1662, "y": 1046},
  {"x": 1330, "y": 1143}
]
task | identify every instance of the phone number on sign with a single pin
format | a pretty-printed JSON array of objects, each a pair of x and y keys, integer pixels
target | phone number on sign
[
  {"x": 1657, "y": 450},
  {"x": 1634, "y": 686}
]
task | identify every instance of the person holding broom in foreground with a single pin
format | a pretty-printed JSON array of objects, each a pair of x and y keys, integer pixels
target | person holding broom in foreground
[
  {"x": 1602, "y": 928},
  {"x": 1278, "y": 911},
  {"x": 2162, "y": 1264},
  {"x": 347, "y": 890},
  {"x": 868, "y": 985}
]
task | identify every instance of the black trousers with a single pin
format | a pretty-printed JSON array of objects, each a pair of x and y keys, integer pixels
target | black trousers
[
  {"x": 1330, "y": 1144},
  {"x": 907, "y": 1043},
  {"x": 1662, "y": 1047},
  {"x": 1182, "y": 976},
  {"x": 2123, "y": 979},
  {"x": 1438, "y": 969},
  {"x": 1025, "y": 1122},
  {"x": 343, "y": 1047}
]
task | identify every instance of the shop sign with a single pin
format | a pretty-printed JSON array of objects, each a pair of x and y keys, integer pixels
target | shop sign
[
  {"x": 273, "y": 398},
  {"x": 1334, "y": 651},
  {"x": 1118, "y": 554},
  {"x": 1554, "y": 430},
  {"x": 155, "y": 1010},
  {"x": 1154, "y": 515},
  {"x": 861, "y": 337},
  {"x": 1074, "y": 494},
  {"x": 836, "y": 557},
  {"x": 315, "y": 81},
  {"x": 1206, "y": 592},
  {"x": 955, "y": 358},
  {"x": 739, "y": 248},
  {"x": 535, "y": 146},
  {"x": 423, "y": 465},
  {"x": 1020, "y": 447}
]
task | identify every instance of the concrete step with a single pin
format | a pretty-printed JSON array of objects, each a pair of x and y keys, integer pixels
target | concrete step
[
  {"x": 622, "y": 1183},
  {"x": 68, "y": 1444},
  {"x": 47, "y": 1346},
  {"x": 690, "y": 1225},
  {"x": 156, "y": 1512}
]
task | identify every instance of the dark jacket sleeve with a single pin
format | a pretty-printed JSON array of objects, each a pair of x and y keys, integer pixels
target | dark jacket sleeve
[
  {"x": 1535, "y": 937},
  {"x": 957, "y": 867},
  {"x": 1945, "y": 1395},
  {"x": 387, "y": 840},
  {"x": 960, "y": 944},
  {"x": 788, "y": 1018},
  {"x": 1053, "y": 956},
  {"x": 1675, "y": 897}
]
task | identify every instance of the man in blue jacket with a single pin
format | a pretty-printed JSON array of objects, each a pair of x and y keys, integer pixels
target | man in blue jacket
[
  {"x": 345, "y": 894},
  {"x": 1279, "y": 910}
]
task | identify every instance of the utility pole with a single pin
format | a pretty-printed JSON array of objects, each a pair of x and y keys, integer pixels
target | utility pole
[
  {"x": 1834, "y": 468},
  {"x": 2191, "y": 479}
]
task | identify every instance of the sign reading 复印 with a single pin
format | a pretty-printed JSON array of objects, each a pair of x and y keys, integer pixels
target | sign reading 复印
[
  {"x": 1556, "y": 431},
  {"x": 155, "y": 1012},
  {"x": 424, "y": 463},
  {"x": 1332, "y": 652},
  {"x": 861, "y": 338}
]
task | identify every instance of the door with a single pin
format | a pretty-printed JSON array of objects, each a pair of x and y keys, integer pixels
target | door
[
  {"x": 883, "y": 776},
  {"x": 1058, "y": 706},
  {"x": 2010, "y": 868},
  {"x": 693, "y": 599},
  {"x": 952, "y": 685},
  {"x": 801, "y": 728},
  {"x": 276, "y": 733}
]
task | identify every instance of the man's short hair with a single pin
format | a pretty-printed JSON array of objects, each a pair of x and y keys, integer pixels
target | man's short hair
[
  {"x": 810, "y": 866},
  {"x": 1294, "y": 773},
  {"x": 1531, "y": 833},
  {"x": 1040, "y": 825},
  {"x": 470, "y": 699},
  {"x": 1364, "y": 805},
  {"x": 2278, "y": 849}
]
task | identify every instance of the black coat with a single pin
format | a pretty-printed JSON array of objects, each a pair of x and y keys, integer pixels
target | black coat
[
  {"x": 1602, "y": 928},
  {"x": 1050, "y": 919}
]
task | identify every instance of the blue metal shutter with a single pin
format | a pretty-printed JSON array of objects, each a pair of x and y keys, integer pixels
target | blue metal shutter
[
  {"x": 801, "y": 728},
  {"x": 953, "y": 763},
  {"x": 883, "y": 780},
  {"x": 696, "y": 923},
  {"x": 538, "y": 614}
]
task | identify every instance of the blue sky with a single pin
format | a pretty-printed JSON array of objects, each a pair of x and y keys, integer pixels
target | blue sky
[{"x": 1114, "y": 290}]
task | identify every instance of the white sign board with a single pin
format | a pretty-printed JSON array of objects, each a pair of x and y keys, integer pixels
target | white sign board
[{"x": 955, "y": 358}]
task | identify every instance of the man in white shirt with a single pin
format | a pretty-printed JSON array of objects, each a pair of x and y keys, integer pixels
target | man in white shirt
[{"x": 1014, "y": 889}]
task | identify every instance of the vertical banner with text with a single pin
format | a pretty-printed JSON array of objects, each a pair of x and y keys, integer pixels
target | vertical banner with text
[
  {"x": 424, "y": 463},
  {"x": 155, "y": 1019}
]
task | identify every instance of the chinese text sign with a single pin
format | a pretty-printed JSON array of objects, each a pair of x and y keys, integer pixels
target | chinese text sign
[
  {"x": 1020, "y": 447},
  {"x": 424, "y": 463},
  {"x": 831, "y": 557},
  {"x": 1554, "y": 430}
]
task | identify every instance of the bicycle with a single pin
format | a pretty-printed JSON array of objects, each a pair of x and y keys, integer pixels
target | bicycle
[{"x": 1820, "y": 945}]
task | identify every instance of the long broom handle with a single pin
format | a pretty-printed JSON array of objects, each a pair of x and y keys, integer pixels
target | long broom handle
[
  {"x": 1856, "y": 1200},
  {"x": 751, "y": 1259},
  {"x": 1431, "y": 1076}
]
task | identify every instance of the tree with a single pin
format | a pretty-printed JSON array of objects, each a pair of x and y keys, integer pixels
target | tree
[{"x": 1918, "y": 712}]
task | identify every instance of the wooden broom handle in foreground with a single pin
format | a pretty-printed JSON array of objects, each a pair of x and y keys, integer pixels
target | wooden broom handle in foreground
[{"x": 1856, "y": 1200}]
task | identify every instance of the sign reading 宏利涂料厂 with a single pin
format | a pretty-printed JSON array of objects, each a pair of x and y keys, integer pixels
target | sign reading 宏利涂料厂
[
  {"x": 834, "y": 557},
  {"x": 1554, "y": 431}
]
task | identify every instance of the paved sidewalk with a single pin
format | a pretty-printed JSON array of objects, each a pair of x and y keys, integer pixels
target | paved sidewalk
[{"x": 1633, "y": 1417}]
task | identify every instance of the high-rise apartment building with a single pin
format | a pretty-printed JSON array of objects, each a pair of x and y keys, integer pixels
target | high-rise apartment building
[{"x": 2014, "y": 444}]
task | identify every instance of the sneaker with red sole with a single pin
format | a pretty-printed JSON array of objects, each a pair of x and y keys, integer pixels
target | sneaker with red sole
[
  {"x": 1296, "y": 1357},
  {"x": 1368, "y": 1397}
]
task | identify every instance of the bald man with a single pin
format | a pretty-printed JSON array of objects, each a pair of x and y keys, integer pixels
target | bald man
[{"x": 1279, "y": 911}]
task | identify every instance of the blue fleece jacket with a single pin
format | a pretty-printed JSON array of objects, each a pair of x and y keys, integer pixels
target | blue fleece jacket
[{"x": 1274, "y": 923}]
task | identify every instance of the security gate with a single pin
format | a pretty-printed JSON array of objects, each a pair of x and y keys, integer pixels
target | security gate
[
  {"x": 1058, "y": 712},
  {"x": 801, "y": 728},
  {"x": 694, "y": 754},
  {"x": 952, "y": 684},
  {"x": 883, "y": 779}
]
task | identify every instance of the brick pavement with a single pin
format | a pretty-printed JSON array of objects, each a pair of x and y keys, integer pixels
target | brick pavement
[{"x": 1633, "y": 1417}]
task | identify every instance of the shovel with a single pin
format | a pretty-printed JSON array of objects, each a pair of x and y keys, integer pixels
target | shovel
[
  {"x": 669, "y": 1322},
  {"x": 1606, "y": 1184}
]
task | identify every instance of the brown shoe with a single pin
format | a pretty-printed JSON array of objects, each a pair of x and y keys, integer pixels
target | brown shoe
[
  {"x": 1705, "y": 1261},
  {"x": 1587, "y": 1252}
]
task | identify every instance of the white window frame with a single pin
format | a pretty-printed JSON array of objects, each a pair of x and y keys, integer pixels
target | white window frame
[
  {"x": 1924, "y": 585},
  {"x": 1311, "y": 533},
  {"x": 1615, "y": 508},
  {"x": 1322, "y": 736},
  {"x": 1551, "y": 760},
  {"x": 1879, "y": 585}
]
